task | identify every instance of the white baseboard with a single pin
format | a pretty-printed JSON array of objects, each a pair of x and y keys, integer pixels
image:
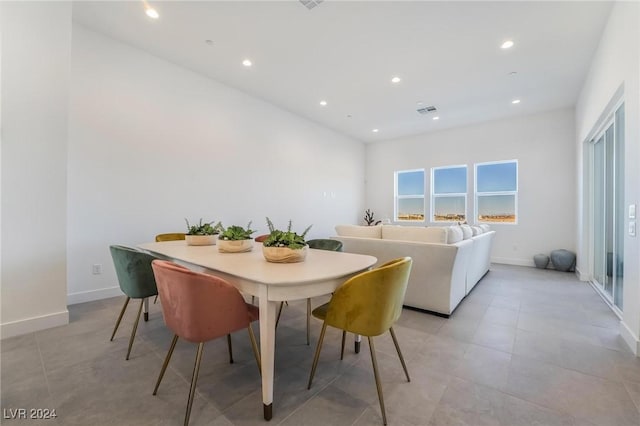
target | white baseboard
[
  {"x": 511, "y": 261},
  {"x": 581, "y": 276},
  {"x": 630, "y": 338},
  {"x": 91, "y": 295},
  {"x": 30, "y": 325}
]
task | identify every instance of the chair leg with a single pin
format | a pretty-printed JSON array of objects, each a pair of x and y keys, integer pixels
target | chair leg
[
  {"x": 135, "y": 327},
  {"x": 395, "y": 342},
  {"x": 377, "y": 376},
  {"x": 166, "y": 362},
  {"x": 194, "y": 380},
  {"x": 308, "y": 320},
  {"x": 316, "y": 357},
  {"x": 254, "y": 345},
  {"x": 279, "y": 313},
  {"x": 344, "y": 336},
  {"x": 124, "y": 308},
  {"x": 146, "y": 314},
  {"x": 230, "y": 349},
  {"x": 155, "y": 300}
]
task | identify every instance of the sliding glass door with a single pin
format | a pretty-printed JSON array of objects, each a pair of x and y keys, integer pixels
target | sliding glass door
[{"x": 607, "y": 204}]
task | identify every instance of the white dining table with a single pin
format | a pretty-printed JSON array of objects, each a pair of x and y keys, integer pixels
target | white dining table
[{"x": 320, "y": 274}]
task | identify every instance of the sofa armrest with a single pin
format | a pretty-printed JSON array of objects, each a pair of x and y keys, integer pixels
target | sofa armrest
[{"x": 438, "y": 277}]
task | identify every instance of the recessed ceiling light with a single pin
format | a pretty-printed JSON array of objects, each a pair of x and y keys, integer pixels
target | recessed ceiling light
[
  {"x": 515, "y": 101},
  {"x": 507, "y": 44},
  {"x": 513, "y": 73},
  {"x": 375, "y": 130},
  {"x": 247, "y": 63},
  {"x": 436, "y": 118},
  {"x": 396, "y": 79},
  {"x": 151, "y": 12},
  {"x": 209, "y": 42},
  {"x": 323, "y": 103}
]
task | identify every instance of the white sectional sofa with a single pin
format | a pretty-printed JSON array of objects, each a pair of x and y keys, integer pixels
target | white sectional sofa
[{"x": 447, "y": 261}]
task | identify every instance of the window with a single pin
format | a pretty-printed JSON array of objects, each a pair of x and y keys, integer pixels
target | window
[
  {"x": 409, "y": 204},
  {"x": 449, "y": 194},
  {"x": 497, "y": 192}
]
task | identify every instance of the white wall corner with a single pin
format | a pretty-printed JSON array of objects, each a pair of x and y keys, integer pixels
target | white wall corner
[
  {"x": 30, "y": 325},
  {"x": 91, "y": 295},
  {"x": 581, "y": 275},
  {"x": 630, "y": 338}
]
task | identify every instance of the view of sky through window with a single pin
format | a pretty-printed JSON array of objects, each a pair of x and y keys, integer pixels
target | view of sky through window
[
  {"x": 449, "y": 198},
  {"x": 410, "y": 195},
  {"x": 411, "y": 183},
  {"x": 496, "y": 192}
]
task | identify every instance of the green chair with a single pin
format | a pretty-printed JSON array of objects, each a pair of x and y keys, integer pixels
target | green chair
[
  {"x": 135, "y": 276},
  {"x": 319, "y": 244},
  {"x": 367, "y": 304},
  {"x": 325, "y": 244}
]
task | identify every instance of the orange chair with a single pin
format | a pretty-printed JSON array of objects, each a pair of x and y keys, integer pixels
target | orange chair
[
  {"x": 261, "y": 238},
  {"x": 198, "y": 308}
]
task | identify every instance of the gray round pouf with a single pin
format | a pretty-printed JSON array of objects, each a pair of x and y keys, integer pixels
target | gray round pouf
[
  {"x": 541, "y": 261},
  {"x": 563, "y": 260}
]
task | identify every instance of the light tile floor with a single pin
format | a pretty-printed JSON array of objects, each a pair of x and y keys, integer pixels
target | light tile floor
[{"x": 526, "y": 347}]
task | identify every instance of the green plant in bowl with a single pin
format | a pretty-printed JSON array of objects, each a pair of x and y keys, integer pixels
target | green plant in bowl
[
  {"x": 288, "y": 238},
  {"x": 203, "y": 228},
  {"x": 235, "y": 233},
  {"x": 236, "y": 239}
]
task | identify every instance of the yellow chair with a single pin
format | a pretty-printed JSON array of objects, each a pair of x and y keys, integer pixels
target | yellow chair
[
  {"x": 175, "y": 236},
  {"x": 367, "y": 304}
]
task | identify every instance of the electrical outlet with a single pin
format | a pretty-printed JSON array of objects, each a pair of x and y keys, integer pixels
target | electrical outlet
[{"x": 96, "y": 269}]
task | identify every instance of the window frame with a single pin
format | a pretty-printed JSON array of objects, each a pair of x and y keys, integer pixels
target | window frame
[
  {"x": 478, "y": 194},
  {"x": 449, "y": 195},
  {"x": 398, "y": 197}
]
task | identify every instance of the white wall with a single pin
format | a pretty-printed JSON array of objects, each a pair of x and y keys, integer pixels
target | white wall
[
  {"x": 36, "y": 45},
  {"x": 543, "y": 144},
  {"x": 616, "y": 64},
  {"x": 152, "y": 143}
]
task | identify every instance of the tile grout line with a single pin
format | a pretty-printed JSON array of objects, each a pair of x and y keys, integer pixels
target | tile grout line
[
  {"x": 312, "y": 396},
  {"x": 44, "y": 370}
]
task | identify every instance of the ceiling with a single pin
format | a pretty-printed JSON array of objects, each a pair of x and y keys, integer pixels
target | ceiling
[{"x": 346, "y": 52}]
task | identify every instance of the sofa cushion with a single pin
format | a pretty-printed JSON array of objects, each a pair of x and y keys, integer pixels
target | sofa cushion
[
  {"x": 359, "y": 231},
  {"x": 476, "y": 230},
  {"x": 466, "y": 232},
  {"x": 485, "y": 227},
  {"x": 455, "y": 234},
  {"x": 414, "y": 233}
]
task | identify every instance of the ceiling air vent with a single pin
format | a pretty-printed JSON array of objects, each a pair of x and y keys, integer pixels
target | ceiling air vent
[
  {"x": 310, "y": 4},
  {"x": 427, "y": 110}
]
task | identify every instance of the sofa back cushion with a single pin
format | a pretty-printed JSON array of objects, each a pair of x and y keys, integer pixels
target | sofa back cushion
[
  {"x": 415, "y": 233},
  {"x": 455, "y": 234},
  {"x": 467, "y": 232},
  {"x": 359, "y": 231},
  {"x": 477, "y": 230}
]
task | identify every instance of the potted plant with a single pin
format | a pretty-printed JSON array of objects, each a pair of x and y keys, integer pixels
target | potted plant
[
  {"x": 284, "y": 246},
  {"x": 202, "y": 234},
  {"x": 235, "y": 239},
  {"x": 368, "y": 218}
]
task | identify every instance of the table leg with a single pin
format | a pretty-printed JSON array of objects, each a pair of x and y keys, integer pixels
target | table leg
[
  {"x": 146, "y": 309},
  {"x": 267, "y": 349},
  {"x": 357, "y": 343}
]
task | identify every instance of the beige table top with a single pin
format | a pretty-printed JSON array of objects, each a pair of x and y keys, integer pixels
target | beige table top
[{"x": 319, "y": 265}]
